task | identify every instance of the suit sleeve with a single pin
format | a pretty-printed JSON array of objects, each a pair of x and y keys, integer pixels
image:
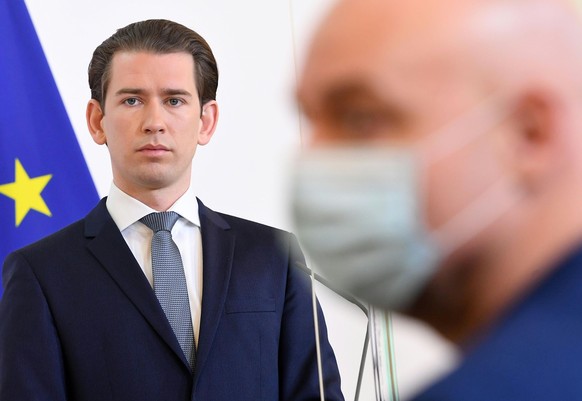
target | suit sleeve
[
  {"x": 297, "y": 353},
  {"x": 31, "y": 363}
]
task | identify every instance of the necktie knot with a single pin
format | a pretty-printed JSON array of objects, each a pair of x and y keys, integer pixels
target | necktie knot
[{"x": 160, "y": 221}]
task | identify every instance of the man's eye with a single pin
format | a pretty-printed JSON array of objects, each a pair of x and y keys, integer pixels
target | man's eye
[
  {"x": 175, "y": 102},
  {"x": 364, "y": 122},
  {"x": 132, "y": 101}
]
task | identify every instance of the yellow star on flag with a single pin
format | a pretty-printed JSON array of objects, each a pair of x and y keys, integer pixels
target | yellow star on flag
[{"x": 26, "y": 193}]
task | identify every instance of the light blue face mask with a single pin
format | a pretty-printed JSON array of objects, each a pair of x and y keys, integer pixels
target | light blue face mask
[{"x": 358, "y": 214}]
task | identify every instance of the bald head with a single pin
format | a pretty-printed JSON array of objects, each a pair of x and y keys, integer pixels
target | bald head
[
  {"x": 520, "y": 43},
  {"x": 401, "y": 48}
]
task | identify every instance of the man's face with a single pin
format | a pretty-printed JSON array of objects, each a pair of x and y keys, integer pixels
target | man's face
[
  {"x": 151, "y": 121},
  {"x": 381, "y": 73}
]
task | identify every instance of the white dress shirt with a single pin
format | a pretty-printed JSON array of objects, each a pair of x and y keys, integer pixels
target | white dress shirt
[{"x": 126, "y": 212}]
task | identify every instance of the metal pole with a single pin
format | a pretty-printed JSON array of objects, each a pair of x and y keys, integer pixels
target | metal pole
[{"x": 383, "y": 358}]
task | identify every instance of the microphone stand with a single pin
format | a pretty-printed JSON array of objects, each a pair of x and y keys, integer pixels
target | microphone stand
[
  {"x": 384, "y": 361},
  {"x": 380, "y": 327}
]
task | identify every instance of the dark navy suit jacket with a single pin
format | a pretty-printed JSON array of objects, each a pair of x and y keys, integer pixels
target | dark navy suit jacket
[
  {"x": 80, "y": 322},
  {"x": 533, "y": 352}
]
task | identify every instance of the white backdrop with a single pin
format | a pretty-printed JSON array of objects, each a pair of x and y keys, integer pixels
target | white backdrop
[{"x": 243, "y": 171}]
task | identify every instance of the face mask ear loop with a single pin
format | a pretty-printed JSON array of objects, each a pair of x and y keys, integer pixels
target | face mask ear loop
[
  {"x": 454, "y": 136},
  {"x": 476, "y": 217},
  {"x": 464, "y": 225}
]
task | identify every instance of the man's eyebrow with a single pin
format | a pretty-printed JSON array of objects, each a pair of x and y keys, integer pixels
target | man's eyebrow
[
  {"x": 351, "y": 93},
  {"x": 130, "y": 91},
  {"x": 174, "y": 92},
  {"x": 348, "y": 91},
  {"x": 337, "y": 93},
  {"x": 165, "y": 92}
]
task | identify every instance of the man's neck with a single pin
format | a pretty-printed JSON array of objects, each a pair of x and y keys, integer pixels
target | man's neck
[{"x": 160, "y": 199}]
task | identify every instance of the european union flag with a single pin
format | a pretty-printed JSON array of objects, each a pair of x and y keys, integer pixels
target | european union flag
[{"x": 44, "y": 181}]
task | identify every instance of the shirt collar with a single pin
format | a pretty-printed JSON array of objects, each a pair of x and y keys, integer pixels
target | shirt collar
[
  {"x": 126, "y": 210},
  {"x": 187, "y": 207}
]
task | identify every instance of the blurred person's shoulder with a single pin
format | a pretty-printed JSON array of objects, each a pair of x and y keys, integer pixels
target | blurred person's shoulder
[{"x": 532, "y": 352}]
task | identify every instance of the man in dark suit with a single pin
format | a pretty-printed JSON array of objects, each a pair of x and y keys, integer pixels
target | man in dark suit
[{"x": 82, "y": 317}]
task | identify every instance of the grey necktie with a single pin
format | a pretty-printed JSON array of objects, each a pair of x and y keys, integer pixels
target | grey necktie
[{"x": 170, "y": 282}]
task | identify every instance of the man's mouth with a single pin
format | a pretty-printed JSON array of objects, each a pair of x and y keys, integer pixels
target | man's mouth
[{"x": 154, "y": 150}]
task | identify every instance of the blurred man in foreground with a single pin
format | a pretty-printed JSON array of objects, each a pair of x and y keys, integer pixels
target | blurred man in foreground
[{"x": 443, "y": 178}]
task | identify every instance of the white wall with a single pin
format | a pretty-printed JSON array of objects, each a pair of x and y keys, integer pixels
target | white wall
[{"x": 243, "y": 170}]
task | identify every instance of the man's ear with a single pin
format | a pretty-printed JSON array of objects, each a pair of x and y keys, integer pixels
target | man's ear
[
  {"x": 209, "y": 120},
  {"x": 94, "y": 116},
  {"x": 536, "y": 138}
]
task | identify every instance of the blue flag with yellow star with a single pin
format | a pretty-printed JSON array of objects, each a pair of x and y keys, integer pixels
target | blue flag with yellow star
[{"x": 44, "y": 180}]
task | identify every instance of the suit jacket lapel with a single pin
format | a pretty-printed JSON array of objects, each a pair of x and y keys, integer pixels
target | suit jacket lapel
[
  {"x": 217, "y": 253},
  {"x": 111, "y": 250}
]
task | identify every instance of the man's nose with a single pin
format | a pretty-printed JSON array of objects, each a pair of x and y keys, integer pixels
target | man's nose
[{"x": 154, "y": 118}]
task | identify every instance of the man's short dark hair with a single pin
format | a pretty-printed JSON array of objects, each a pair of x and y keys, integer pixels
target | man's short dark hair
[{"x": 160, "y": 37}]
